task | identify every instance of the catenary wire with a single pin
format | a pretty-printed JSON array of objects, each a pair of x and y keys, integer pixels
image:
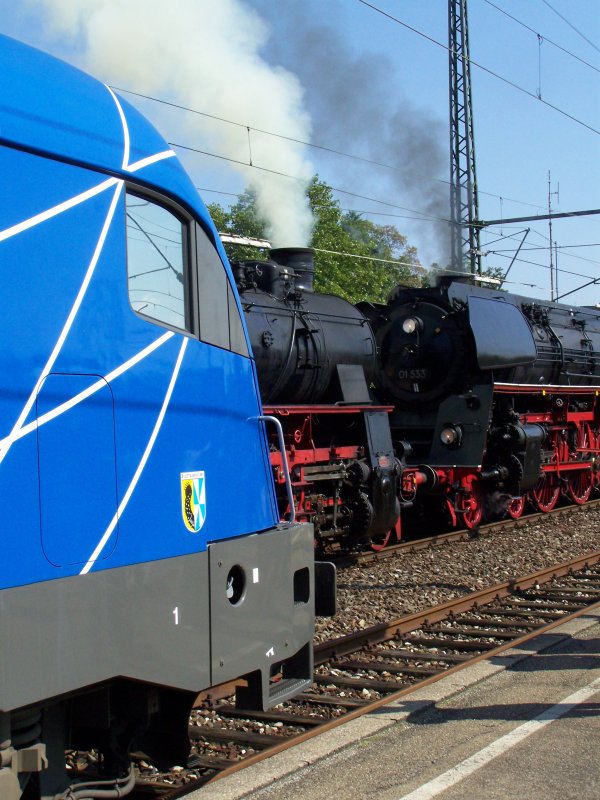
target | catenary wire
[
  {"x": 499, "y": 253},
  {"x": 481, "y": 67},
  {"x": 365, "y": 211},
  {"x": 565, "y": 20},
  {"x": 370, "y": 258},
  {"x": 546, "y": 266},
  {"x": 545, "y": 38},
  {"x": 423, "y": 215},
  {"x": 421, "y": 219},
  {"x": 558, "y": 246},
  {"x": 315, "y": 146}
]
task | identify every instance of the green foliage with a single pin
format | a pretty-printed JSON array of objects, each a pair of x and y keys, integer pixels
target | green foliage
[
  {"x": 241, "y": 220},
  {"x": 498, "y": 273},
  {"x": 354, "y": 257},
  {"x": 355, "y": 274}
]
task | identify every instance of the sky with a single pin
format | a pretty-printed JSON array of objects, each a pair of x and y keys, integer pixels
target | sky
[{"x": 341, "y": 76}]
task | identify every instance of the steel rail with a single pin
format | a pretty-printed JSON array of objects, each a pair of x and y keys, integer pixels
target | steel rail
[
  {"x": 387, "y": 630},
  {"x": 462, "y": 535},
  {"x": 475, "y": 602}
]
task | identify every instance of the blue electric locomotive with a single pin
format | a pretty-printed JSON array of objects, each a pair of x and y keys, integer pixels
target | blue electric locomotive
[{"x": 142, "y": 555}]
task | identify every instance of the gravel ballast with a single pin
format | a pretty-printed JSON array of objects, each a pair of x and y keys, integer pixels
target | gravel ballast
[{"x": 378, "y": 591}]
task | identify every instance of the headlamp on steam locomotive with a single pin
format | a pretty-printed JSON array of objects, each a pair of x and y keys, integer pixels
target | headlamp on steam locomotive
[
  {"x": 451, "y": 436},
  {"x": 412, "y": 325}
]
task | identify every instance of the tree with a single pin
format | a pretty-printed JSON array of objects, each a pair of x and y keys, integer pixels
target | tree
[
  {"x": 241, "y": 219},
  {"x": 354, "y": 257},
  {"x": 497, "y": 273}
]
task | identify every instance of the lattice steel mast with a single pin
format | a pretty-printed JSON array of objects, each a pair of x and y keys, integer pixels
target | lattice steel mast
[{"x": 464, "y": 204}]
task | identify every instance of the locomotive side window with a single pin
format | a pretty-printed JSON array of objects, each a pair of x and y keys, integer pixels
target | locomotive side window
[
  {"x": 156, "y": 262},
  {"x": 220, "y": 322}
]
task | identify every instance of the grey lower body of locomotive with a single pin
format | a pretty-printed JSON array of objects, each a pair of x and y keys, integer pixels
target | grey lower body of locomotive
[{"x": 181, "y": 625}]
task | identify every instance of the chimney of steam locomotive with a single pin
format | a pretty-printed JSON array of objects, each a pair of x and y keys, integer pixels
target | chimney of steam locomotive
[{"x": 301, "y": 260}]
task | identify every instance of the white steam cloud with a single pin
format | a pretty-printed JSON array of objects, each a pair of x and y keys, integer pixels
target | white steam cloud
[{"x": 206, "y": 55}]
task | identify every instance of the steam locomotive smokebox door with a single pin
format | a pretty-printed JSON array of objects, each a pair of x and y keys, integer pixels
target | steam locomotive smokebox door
[{"x": 263, "y": 584}]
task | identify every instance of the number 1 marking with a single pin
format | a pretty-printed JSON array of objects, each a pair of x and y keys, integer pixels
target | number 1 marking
[{"x": 176, "y": 614}]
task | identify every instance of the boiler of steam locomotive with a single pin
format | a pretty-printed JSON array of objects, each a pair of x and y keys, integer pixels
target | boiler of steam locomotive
[
  {"x": 433, "y": 342},
  {"x": 303, "y": 342}
]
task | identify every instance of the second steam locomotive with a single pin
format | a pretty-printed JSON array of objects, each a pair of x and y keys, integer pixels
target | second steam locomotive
[{"x": 456, "y": 399}]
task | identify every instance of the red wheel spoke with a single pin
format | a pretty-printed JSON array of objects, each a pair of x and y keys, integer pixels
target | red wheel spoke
[
  {"x": 546, "y": 492},
  {"x": 580, "y": 486}
]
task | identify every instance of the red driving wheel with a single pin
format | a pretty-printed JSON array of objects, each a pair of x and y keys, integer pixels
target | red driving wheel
[
  {"x": 580, "y": 486},
  {"x": 546, "y": 492},
  {"x": 469, "y": 505}
]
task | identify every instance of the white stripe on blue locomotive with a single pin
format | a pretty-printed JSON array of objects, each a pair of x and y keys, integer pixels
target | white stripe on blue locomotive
[{"x": 101, "y": 410}]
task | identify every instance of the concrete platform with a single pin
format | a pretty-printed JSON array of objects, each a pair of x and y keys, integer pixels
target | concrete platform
[{"x": 524, "y": 724}]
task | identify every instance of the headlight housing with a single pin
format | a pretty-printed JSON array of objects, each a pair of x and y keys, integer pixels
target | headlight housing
[
  {"x": 412, "y": 325},
  {"x": 451, "y": 436}
]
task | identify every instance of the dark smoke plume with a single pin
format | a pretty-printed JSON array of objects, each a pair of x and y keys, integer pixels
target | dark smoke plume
[{"x": 357, "y": 105}]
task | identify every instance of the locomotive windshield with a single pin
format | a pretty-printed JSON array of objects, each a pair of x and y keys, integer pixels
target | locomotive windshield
[{"x": 155, "y": 262}]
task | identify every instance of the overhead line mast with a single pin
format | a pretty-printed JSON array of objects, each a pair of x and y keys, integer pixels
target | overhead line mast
[
  {"x": 465, "y": 224},
  {"x": 464, "y": 204}
]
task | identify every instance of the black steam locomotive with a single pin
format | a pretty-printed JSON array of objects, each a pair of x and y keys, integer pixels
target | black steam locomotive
[
  {"x": 497, "y": 393},
  {"x": 316, "y": 358},
  {"x": 455, "y": 397}
]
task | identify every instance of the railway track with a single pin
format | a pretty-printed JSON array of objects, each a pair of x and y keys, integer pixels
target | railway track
[
  {"x": 361, "y": 672},
  {"x": 462, "y": 535}
]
